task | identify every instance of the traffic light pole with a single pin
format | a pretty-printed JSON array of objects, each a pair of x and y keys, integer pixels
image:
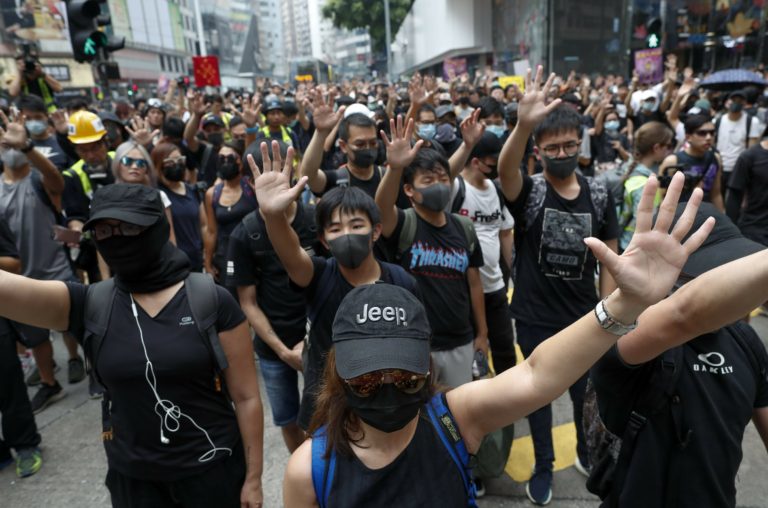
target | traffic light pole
[{"x": 100, "y": 74}]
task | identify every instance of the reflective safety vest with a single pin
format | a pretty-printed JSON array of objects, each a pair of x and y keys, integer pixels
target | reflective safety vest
[
  {"x": 285, "y": 135},
  {"x": 50, "y": 105},
  {"x": 633, "y": 184},
  {"x": 78, "y": 171}
]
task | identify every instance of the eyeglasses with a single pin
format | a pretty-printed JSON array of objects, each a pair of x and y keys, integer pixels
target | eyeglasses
[
  {"x": 368, "y": 384},
  {"x": 703, "y": 133},
  {"x": 130, "y": 161},
  {"x": 570, "y": 148},
  {"x": 104, "y": 230},
  {"x": 224, "y": 159}
]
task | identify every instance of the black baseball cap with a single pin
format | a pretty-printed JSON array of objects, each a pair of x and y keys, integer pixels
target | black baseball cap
[
  {"x": 273, "y": 105},
  {"x": 213, "y": 120},
  {"x": 128, "y": 202},
  {"x": 738, "y": 93},
  {"x": 381, "y": 326},
  {"x": 489, "y": 145},
  {"x": 724, "y": 244}
]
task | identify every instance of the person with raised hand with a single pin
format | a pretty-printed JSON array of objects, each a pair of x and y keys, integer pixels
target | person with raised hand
[
  {"x": 439, "y": 249},
  {"x": 554, "y": 271},
  {"x": 348, "y": 223},
  {"x": 393, "y": 427}
]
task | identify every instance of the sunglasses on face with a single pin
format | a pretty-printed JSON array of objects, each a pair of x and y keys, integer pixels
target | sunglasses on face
[
  {"x": 224, "y": 159},
  {"x": 104, "y": 230},
  {"x": 173, "y": 162},
  {"x": 130, "y": 162},
  {"x": 368, "y": 384},
  {"x": 702, "y": 133}
]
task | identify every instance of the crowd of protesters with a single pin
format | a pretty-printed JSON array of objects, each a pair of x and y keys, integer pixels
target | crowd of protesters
[{"x": 491, "y": 217}]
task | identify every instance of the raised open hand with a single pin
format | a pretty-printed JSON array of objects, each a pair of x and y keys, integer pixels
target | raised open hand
[
  {"x": 533, "y": 107},
  {"x": 471, "y": 128},
  {"x": 323, "y": 116},
  {"x": 252, "y": 111},
  {"x": 59, "y": 119},
  {"x": 399, "y": 151},
  {"x": 139, "y": 131},
  {"x": 648, "y": 269},
  {"x": 197, "y": 104},
  {"x": 272, "y": 186},
  {"x": 417, "y": 91}
]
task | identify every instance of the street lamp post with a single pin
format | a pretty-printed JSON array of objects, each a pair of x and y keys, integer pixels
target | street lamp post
[{"x": 388, "y": 41}]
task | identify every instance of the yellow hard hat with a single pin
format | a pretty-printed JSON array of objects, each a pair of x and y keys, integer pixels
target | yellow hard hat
[{"x": 85, "y": 127}]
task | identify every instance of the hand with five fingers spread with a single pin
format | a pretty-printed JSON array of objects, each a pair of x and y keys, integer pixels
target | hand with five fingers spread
[
  {"x": 324, "y": 117},
  {"x": 533, "y": 108},
  {"x": 648, "y": 269},
  {"x": 15, "y": 134},
  {"x": 140, "y": 132},
  {"x": 272, "y": 185},
  {"x": 399, "y": 151},
  {"x": 252, "y": 111},
  {"x": 471, "y": 129}
]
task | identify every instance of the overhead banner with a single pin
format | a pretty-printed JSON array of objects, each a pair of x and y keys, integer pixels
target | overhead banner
[
  {"x": 505, "y": 81},
  {"x": 649, "y": 64},
  {"x": 206, "y": 70}
]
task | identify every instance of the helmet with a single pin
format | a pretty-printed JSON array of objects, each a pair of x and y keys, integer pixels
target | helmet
[{"x": 85, "y": 127}]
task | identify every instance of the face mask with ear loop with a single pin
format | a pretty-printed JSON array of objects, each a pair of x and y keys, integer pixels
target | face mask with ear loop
[{"x": 170, "y": 414}]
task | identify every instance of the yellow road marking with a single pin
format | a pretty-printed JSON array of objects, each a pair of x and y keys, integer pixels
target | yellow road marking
[{"x": 521, "y": 459}]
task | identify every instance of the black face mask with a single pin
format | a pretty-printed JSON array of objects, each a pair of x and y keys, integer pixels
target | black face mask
[
  {"x": 240, "y": 144},
  {"x": 561, "y": 168},
  {"x": 435, "y": 197},
  {"x": 736, "y": 107},
  {"x": 229, "y": 170},
  {"x": 147, "y": 262},
  {"x": 494, "y": 173},
  {"x": 363, "y": 158},
  {"x": 216, "y": 138},
  {"x": 350, "y": 250},
  {"x": 389, "y": 409},
  {"x": 175, "y": 173},
  {"x": 464, "y": 101}
]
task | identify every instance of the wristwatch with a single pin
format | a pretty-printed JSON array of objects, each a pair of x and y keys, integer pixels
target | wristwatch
[
  {"x": 609, "y": 323},
  {"x": 28, "y": 147}
]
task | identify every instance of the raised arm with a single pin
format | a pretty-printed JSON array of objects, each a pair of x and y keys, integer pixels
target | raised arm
[
  {"x": 645, "y": 273},
  {"x": 531, "y": 110},
  {"x": 197, "y": 108},
  {"x": 471, "y": 132},
  {"x": 325, "y": 120},
  {"x": 44, "y": 304},
  {"x": 399, "y": 155},
  {"x": 274, "y": 195}
]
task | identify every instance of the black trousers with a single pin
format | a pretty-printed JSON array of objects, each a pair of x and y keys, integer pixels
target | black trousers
[
  {"x": 501, "y": 337},
  {"x": 218, "y": 486},
  {"x": 19, "y": 428}
]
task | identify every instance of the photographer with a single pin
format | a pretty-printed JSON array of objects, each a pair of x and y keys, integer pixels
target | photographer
[{"x": 32, "y": 79}]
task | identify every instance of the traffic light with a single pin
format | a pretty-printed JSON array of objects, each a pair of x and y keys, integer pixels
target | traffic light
[
  {"x": 85, "y": 19},
  {"x": 653, "y": 27}
]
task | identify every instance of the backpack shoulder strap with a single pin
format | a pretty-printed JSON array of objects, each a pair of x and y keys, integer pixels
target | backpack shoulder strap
[
  {"x": 750, "y": 116},
  {"x": 407, "y": 233},
  {"x": 217, "y": 190},
  {"x": 500, "y": 193},
  {"x": 252, "y": 226},
  {"x": 342, "y": 177},
  {"x": 446, "y": 428},
  {"x": 203, "y": 299},
  {"x": 535, "y": 200},
  {"x": 468, "y": 228},
  {"x": 324, "y": 288},
  {"x": 99, "y": 300},
  {"x": 458, "y": 200},
  {"x": 598, "y": 193},
  {"x": 322, "y": 469}
]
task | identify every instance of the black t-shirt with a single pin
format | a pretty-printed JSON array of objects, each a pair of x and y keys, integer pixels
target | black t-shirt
[
  {"x": 185, "y": 371},
  {"x": 439, "y": 258},
  {"x": 252, "y": 260},
  {"x": 605, "y": 151},
  {"x": 205, "y": 160},
  {"x": 718, "y": 389},
  {"x": 7, "y": 250},
  {"x": 750, "y": 175},
  {"x": 554, "y": 269},
  {"x": 324, "y": 303},
  {"x": 369, "y": 186}
]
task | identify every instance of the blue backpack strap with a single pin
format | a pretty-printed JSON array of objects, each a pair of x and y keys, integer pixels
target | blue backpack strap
[
  {"x": 323, "y": 288},
  {"x": 322, "y": 470},
  {"x": 445, "y": 426}
]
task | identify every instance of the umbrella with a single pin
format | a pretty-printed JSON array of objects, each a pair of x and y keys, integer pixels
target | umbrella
[{"x": 732, "y": 79}]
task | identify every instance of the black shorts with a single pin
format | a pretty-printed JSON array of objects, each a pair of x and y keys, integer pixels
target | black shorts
[{"x": 219, "y": 486}]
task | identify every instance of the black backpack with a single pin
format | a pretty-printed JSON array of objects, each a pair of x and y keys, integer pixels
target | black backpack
[
  {"x": 610, "y": 450},
  {"x": 462, "y": 194},
  {"x": 203, "y": 301}
]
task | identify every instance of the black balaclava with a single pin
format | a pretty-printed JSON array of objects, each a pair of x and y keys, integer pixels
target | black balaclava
[{"x": 147, "y": 262}]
